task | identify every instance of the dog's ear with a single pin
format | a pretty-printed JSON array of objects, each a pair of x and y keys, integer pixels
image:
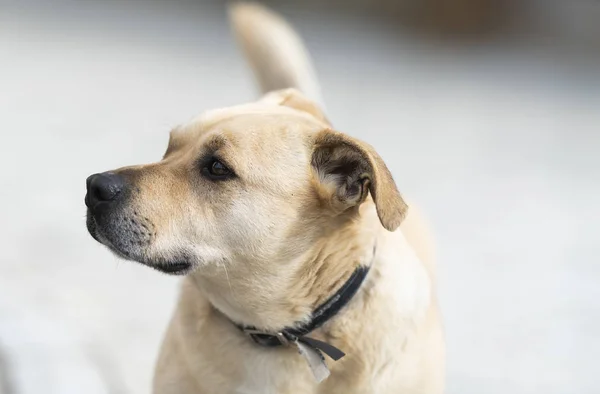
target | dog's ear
[
  {"x": 293, "y": 98},
  {"x": 348, "y": 169}
]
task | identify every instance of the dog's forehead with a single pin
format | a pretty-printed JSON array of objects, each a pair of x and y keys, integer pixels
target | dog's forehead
[
  {"x": 215, "y": 116},
  {"x": 243, "y": 124}
]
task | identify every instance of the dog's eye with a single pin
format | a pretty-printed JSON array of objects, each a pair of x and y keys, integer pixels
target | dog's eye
[{"x": 216, "y": 170}]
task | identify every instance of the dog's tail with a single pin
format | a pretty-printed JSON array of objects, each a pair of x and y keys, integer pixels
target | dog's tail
[{"x": 274, "y": 50}]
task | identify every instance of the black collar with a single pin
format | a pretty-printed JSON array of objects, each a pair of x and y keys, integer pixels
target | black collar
[{"x": 320, "y": 316}]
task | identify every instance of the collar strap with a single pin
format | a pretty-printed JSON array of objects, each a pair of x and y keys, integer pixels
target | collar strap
[{"x": 327, "y": 310}]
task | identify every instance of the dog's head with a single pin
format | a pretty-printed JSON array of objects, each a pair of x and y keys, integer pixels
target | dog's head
[{"x": 246, "y": 183}]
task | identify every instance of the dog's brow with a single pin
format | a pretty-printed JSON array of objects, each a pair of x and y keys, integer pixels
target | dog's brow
[{"x": 215, "y": 143}]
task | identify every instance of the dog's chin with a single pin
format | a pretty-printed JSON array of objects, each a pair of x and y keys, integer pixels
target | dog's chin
[{"x": 177, "y": 266}]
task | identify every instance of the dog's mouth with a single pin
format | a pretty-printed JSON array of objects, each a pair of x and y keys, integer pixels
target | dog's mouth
[
  {"x": 117, "y": 243},
  {"x": 178, "y": 268}
]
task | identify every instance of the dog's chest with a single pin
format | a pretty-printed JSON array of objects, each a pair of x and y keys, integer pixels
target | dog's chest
[
  {"x": 383, "y": 342},
  {"x": 275, "y": 371}
]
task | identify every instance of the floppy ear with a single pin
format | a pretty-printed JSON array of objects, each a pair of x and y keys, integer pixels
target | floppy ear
[
  {"x": 295, "y": 99},
  {"x": 348, "y": 169}
]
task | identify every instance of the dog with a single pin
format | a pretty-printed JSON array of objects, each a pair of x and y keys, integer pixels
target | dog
[{"x": 295, "y": 246}]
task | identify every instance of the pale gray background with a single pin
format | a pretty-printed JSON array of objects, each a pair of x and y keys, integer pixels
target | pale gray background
[{"x": 498, "y": 144}]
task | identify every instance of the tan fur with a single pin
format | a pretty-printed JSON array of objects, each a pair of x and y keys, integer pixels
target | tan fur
[{"x": 307, "y": 206}]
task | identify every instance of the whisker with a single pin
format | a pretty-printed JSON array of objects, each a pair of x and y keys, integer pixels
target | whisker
[{"x": 229, "y": 282}]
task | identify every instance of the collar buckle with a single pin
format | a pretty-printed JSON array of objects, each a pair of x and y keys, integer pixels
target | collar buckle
[
  {"x": 282, "y": 339},
  {"x": 267, "y": 339}
]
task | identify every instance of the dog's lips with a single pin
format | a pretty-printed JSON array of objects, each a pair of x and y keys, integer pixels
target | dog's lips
[
  {"x": 92, "y": 227},
  {"x": 176, "y": 268}
]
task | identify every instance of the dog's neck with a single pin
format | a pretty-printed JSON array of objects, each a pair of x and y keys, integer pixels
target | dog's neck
[{"x": 277, "y": 298}]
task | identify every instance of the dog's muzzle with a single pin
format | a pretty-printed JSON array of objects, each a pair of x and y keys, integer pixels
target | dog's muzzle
[
  {"x": 114, "y": 221},
  {"x": 106, "y": 200}
]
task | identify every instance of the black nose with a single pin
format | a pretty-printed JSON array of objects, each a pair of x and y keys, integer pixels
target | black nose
[{"x": 103, "y": 188}]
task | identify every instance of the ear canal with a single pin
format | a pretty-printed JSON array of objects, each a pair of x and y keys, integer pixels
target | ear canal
[
  {"x": 353, "y": 166},
  {"x": 293, "y": 98}
]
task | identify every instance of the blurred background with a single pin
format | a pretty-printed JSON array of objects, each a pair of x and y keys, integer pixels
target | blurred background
[{"x": 486, "y": 111}]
